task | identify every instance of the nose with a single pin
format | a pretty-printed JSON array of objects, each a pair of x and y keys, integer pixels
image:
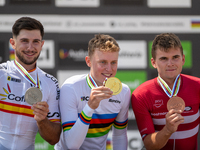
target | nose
[
  {"x": 30, "y": 46},
  {"x": 109, "y": 67},
  {"x": 170, "y": 62}
]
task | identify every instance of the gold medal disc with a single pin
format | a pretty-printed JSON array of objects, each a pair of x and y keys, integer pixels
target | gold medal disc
[
  {"x": 114, "y": 84},
  {"x": 176, "y": 103}
]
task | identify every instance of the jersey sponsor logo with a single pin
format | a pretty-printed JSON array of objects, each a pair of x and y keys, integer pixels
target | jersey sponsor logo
[
  {"x": 188, "y": 108},
  {"x": 56, "y": 83},
  {"x": 159, "y": 114},
  {"x": 52, "y": 115},
  {"x": 8, "y": 95},
  {"x": 158, "y": 103},
  {"x": 114, "y": 101},
  {"x": 3, "y": 67},
  {"x": 85, "y": 98},
  {"x": 9, "y": 78}
]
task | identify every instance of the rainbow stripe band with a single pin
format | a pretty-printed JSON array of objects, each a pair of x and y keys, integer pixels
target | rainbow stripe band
[
  {"x": 84, "y": 118},
  {"x": 99, "y": 125},
  {"x": 98, "y": 132},
  {"x": 167, "y": 89},
  {"x": 120, "y": 125},
  {"x": 68, "y": 125},
  {"x": 90, "y": 81},
  {"x": 26, "y": 75}
]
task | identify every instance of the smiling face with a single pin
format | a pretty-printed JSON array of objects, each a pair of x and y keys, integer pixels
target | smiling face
[
  {"x": 169, "y": 64},
  {"x": 102, "y": 65},
  {"x": 27, "y": 45}
]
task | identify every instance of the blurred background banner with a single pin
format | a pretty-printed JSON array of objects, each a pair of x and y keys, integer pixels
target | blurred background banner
[{"x": 70, "y": 24}]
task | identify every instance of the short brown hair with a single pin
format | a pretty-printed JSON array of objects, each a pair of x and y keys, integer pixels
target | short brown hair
[
  {"x": 103, "y": 43},
  {"x": 164, "y": 42},
  {"x": 27, "y": 23}
]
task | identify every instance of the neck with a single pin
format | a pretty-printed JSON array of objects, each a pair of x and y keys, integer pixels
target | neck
[
  {"x": 170, "y": 83},
  {"x": 27, "y": 67}
]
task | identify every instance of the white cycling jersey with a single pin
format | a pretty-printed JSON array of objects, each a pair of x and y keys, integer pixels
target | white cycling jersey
[
  {"x": 18, "y": 127},
  {"x": 85, "y": 128}
]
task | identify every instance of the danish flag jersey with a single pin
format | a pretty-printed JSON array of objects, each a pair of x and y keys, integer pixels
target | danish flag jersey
[
  {"x": 149, "y": 103},
  {"x": 18, "y": 127},
  {"x": 85, "y": 128}
]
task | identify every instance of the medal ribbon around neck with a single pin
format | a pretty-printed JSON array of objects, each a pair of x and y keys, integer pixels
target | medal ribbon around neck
[
  {"x": 90, "y": 81},
  {"x": 26, "y": 75},
  {"x": 170, "y": 93}
]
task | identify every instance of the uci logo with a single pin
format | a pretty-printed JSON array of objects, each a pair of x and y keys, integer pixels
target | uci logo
[{"x": 85, "y": 98}]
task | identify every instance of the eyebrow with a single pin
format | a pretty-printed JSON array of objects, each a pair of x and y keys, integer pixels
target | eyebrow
[{"x": 28, "y": 39}]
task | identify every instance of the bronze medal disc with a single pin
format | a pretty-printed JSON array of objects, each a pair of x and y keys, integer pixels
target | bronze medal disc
[
  {"x": 33, "y": 95},
  {"x": 114, "y": 84},
  {"x": 176, "y": 103}
]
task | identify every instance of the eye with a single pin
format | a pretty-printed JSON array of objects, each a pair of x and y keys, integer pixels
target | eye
[
  {"x": 175, "y": 57},
  {"x": 24, "y": 40},
  {"x": 36, "y": 41},
  {"x": 113, "y": 63},
  {"x": 163, "y": 58}
]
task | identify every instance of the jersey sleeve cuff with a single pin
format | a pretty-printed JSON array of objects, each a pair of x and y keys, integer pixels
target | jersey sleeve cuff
[{"x": 88, "y": 111}]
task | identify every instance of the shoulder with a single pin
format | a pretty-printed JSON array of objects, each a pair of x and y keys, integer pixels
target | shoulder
[
  {"x": 125, "y": 88},
  {"x": 5, "y": 65},
  {"x": 189, "y": 78},
  {"x": 48, "y": 78},
  {"x": 146, "y": 85},
  {"x": 75, "y": 80}
]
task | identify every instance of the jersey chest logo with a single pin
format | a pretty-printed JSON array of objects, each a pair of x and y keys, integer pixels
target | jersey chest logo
[{"x": 158, "y": 103}]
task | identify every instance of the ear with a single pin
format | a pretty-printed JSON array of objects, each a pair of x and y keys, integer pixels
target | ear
[
  {"x": 153, "y": 62},
  {"x": 12, "y": 42},
  {"x": 183, "y": 60},
  {"x": 42, "y": 42},
  {"x": 88, "y": 61}
]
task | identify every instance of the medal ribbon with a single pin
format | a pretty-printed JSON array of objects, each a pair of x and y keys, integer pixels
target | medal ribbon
[
  {"x": 90, "y": 81},
  {"x": 26, "y": 75},
  {"x": 170, "y": 93}
]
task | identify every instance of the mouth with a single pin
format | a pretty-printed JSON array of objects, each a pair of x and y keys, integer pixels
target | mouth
[
  {"x": 29, "y": 54},
  {"x": 107, "y": 75},
  {"x": 171, "y": 70}
]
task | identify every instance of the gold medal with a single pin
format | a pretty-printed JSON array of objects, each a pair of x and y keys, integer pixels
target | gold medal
[
  {"x": 114, "y": 84},
  {"x": 176, "y": 103}
]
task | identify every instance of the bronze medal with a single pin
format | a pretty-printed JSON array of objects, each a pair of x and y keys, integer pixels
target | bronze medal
[
  {"x": 114, "y": 84},
  {"x": 33, "y": 95},
  {"x": 176, "y": 103}
]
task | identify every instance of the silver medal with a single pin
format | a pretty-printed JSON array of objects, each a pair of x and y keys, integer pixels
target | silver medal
[{"x": 33, "y": 95}]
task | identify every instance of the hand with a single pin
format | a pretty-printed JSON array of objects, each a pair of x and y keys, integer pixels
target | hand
[
  {"x": 98, "y": 94},
  {"x": 173, "y": 119},
  {"x": 40, "y": 111}
]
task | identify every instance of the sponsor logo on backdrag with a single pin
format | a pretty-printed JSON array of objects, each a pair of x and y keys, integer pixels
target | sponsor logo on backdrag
[
  {"x": 78, "y": 55},
  {"x": 130, "y": 54}
]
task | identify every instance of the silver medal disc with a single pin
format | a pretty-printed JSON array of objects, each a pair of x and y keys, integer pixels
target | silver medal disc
[{"x": 33, "y": 95}]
